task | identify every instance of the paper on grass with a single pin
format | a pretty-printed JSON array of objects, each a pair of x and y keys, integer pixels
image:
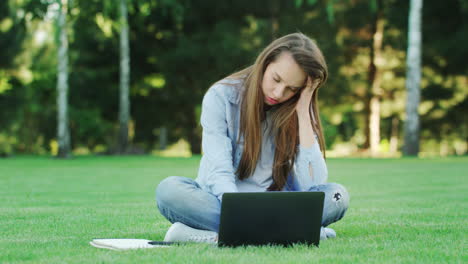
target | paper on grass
[{"x": 124, "y": 243}]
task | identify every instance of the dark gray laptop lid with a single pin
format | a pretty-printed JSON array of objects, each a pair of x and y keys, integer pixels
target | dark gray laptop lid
[{"x": 260, "y": 218}]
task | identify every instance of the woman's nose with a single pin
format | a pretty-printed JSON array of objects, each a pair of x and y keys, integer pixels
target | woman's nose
[{"x": 278, "y": 92}]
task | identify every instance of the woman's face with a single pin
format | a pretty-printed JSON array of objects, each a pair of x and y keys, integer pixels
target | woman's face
[{"x": 282, "y": 79}]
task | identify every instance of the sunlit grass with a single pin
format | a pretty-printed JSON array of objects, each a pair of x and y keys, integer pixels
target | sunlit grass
[{"x": 402, "y": 211}]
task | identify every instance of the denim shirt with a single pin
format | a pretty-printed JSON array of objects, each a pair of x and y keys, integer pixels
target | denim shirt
[{"x": 220, "y": 120}]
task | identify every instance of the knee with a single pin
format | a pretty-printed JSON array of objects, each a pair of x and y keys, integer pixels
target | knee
[
  {"x": 339, "y": 195},
  {"x": 166, "y": 188}
]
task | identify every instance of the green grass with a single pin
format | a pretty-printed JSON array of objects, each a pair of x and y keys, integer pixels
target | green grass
[{"x": 401, "y": 211}]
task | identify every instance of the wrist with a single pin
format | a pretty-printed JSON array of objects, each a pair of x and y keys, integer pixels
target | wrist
[{"x": 303, "y": 114}]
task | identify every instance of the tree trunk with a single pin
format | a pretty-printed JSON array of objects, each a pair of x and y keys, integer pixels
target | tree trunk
[
  {"x": 163, "y": 138},
  {"x": 124, "y": 102},
  {"x": 413, "y": 79},
  {"x": 375, "y": 80},
  {"x": 394, "y": 134},
  {"x": 63, "y": 133},
  {"x": 367, "y": 98},
  {"x": 193, "y": 130},
  {"x": 274, "y": 9}
]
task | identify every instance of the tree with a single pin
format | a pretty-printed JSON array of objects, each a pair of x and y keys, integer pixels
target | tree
[
  {"x": 413, "y": 79},
  {"x": 177, "y": 54},
  {"x": 63, "y": 133},
  {"x": 124, "y": 102},
  {"x": 375, "y": 79}
]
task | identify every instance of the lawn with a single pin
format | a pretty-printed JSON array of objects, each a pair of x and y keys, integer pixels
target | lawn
[{"x": 401, "y": 211}]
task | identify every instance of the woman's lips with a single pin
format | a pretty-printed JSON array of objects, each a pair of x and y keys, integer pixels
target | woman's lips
[{"x": 271, "y": 100}]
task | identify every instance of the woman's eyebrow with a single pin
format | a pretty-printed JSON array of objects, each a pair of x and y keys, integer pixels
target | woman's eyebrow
[{"x": 298, "y": 87}]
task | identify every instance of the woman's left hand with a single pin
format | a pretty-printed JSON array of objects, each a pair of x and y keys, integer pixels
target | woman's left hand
[{"x": 305, "y": 98}]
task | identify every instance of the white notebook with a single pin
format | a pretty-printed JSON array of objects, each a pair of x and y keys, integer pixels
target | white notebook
[{"x": 128, "y": 243}]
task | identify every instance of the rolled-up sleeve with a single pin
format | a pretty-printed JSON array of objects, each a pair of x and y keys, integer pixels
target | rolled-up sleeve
[
  {"x": 309, "y": 167},
  {"x": 216, "y": 145}
]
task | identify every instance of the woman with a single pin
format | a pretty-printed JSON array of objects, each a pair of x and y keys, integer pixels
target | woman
[{"x": 261, "y": 132}]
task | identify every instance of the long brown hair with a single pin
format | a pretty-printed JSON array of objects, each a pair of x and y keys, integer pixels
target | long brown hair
[{"x": 285, "y": 122}]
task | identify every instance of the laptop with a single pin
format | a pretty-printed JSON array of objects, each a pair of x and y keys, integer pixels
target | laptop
[
  {"x": 270, "y": 218},
  {"x": 255, "y": 218}
]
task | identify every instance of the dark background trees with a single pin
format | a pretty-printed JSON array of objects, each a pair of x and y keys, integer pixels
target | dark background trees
[{"x": 179, "y": 48}]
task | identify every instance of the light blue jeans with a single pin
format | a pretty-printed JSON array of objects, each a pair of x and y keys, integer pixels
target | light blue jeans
[{"x": 181, "y": 199}]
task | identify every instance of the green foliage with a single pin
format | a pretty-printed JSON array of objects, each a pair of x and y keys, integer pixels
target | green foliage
[
  {"x": 179, "y": 48},
  {"x": 298, "y": 3},
  {"x": 6, "y": 144},
  {"x": 330, "y": 132},
  {"x": 331, "y": 12}
]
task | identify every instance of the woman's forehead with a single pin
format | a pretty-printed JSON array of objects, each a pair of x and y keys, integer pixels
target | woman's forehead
[{"x": 286, "y": 68}]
